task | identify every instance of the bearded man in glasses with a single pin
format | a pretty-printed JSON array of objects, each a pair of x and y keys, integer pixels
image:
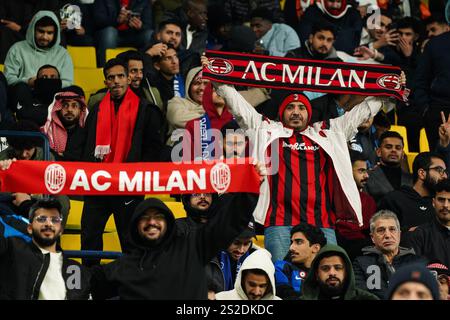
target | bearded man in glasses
[{"x": 37, "y": 269}]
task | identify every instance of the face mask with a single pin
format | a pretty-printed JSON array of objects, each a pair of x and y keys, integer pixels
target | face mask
[{"x": 45, "y": 89}]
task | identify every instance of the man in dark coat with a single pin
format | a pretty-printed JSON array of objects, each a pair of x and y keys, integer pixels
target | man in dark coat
[{"x": 168, "y": 264}]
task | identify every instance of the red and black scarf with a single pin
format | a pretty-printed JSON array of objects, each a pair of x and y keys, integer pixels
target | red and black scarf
[{"x": 302, "y": 74}]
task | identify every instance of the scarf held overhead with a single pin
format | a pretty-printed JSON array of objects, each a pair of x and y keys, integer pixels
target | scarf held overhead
[
  {"x": 93, "y": 178},
  {"x": 115, "y": 131},
  {"x": 302, "y": 74}
]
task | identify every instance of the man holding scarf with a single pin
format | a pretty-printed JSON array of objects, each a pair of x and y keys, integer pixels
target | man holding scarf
[{"x": 121, "y": 128}]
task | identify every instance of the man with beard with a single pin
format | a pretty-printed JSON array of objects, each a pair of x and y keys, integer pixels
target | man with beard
[
  {"x": 67, "y": 116},
  {"x": 350, "y": 235},
  {"x": 432, "y": 239},
  {"x": 121, "y": 128},
  {"x": 199, "y": 210},
  {"x": 379, "y": 262},
  {"x": 167, "y": 263},
  {"x": 319, "y": 45},
  {"x": 413, "y": 205},
  {"x": 346, "y": 19},
  {"x": 49, "y": 275},
  {"x": 331, "y": 277},
  {"x": 388, "y": 175}
]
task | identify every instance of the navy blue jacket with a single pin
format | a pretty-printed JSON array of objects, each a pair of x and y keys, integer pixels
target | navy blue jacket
[
  {"x": 106, "y": 12},
  {"x": 432, "y": 76}
]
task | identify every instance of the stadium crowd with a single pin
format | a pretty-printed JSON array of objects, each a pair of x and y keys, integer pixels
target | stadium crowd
[{"x": 357, "y": 209}]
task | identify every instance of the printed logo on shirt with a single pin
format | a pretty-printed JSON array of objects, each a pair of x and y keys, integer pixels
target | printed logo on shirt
[
  {"x": 423, "y": 208},
  {"x": 300, "y": 146}
]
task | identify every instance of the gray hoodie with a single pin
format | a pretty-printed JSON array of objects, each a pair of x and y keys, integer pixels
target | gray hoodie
[{"x": 24, "y": 58}]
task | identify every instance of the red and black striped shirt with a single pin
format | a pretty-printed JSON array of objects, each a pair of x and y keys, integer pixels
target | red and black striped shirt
[{"x": 302, "y": 190}]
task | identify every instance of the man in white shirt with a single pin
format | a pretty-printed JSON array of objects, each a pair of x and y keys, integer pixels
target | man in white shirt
[{"x": 49, "y": 275}]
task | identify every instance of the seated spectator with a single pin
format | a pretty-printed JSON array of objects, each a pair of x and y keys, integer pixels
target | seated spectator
[
  {"x": 199, "y": 207},
  {"x": 388, "y": 176},
  {"x": 290, "y": 273},
  {"x": 413, "y": 205},
  {"x": 42, "y": 260},
  {"x": 366, "y": 141},
  {"x": 6, "y": 117},
  {"x": 198, "y": 142},
  {"x": 139, "y": 83},
  {"x": 331, "y": 277},
  {"x": 168, "y": 264},
  {"x": 192, "y": 16},
  {"x": 42, "y": 46},
  {"x": 350, "y": 235},
  {"x": 436, "y": 25},
  {"x": 432, "y": 240},
  {"x": 377, "y": 36},
  {"x": 15, "y": 17},
  {"x": 235, "y": 142},
  {"x": 255, "y": 280},
  {"x": 77, "y": 24},
  {"x": 342, "y": 15},
  {"x": 181, "y": 110},
  {"x": 413, "y": 282},
  {"x": 274, "y": 39},
  {"x": 32, "y": 103},
  {"x": 240, "y": 10},
  {"x": 374, "y": 269},
  {"x": 319, "y": 45},
  {"x": 167, "y": 78},
  {"x": 66, "y": 118},
  {"x": 224, "y": 268},
  {"x": 27, "y": 148},
  {"x": 169, "y": 33},
  {"x": 442, "y": 275},
  {"x": 219, "y": 27},
  {"x": 121, "y": 24},
  {"x": 294, "y": 10}
]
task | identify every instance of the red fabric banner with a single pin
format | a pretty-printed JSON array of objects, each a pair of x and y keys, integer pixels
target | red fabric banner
[
  {"x": 79, "y": 178},
  {"x": 302, "y": 74}
]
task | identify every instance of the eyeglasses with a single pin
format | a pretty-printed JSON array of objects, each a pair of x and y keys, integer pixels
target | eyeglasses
[
  {"x": 439, "y": 169},
  {"x": 43, "y": 219}
]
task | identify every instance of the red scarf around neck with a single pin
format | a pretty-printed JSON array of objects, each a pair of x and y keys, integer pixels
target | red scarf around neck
[{"x": 115, "y": 131}]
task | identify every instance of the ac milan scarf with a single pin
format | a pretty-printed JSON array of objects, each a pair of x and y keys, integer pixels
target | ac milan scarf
[
  {"x": 94, "y": 178},
  {"x": 302, "y": 74},
  {"x": 53, "y": 128},
  {"x": 114, "y": 132}
]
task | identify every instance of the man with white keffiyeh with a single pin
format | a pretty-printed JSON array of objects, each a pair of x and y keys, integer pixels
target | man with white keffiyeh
[{"x": 66, "y": 118}]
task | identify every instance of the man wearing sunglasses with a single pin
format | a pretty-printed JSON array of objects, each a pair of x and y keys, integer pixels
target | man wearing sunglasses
[{"x": 37, "y": 269}]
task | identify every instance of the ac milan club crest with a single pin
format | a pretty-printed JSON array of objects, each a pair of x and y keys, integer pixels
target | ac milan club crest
[
  {"x": 389, "y": 81},
  {"x": 220, "y": 66},
  {"x": 220, "y": 177},
  {"x": 55, "y": 178}
]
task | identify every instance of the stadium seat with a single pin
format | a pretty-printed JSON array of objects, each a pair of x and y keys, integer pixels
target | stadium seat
[
  {"x": 402, "y": 131},
  {"x": 410, "y": 156},
  {"x": 112, "y": 53},
  {"x": 177, "y": 208},
  {"x": 74, "y": 219},
  {"x": 423, "y": 141},
  {"x": 2, "y": 67},
  {"x": 259, "y": 240},
  {"x": 83, "y": 57},
  {"x": 91, "y": 80}
]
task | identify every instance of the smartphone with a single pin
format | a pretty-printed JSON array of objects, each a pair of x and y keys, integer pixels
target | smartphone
[
  {"x": 135, "y": 14},
  {"x": 393, "y": 26}
]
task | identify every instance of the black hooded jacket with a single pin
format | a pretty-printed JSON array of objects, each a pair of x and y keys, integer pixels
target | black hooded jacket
[
  {"x": 23, "y": 267},
  {"x": 175, "y": 267}
]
